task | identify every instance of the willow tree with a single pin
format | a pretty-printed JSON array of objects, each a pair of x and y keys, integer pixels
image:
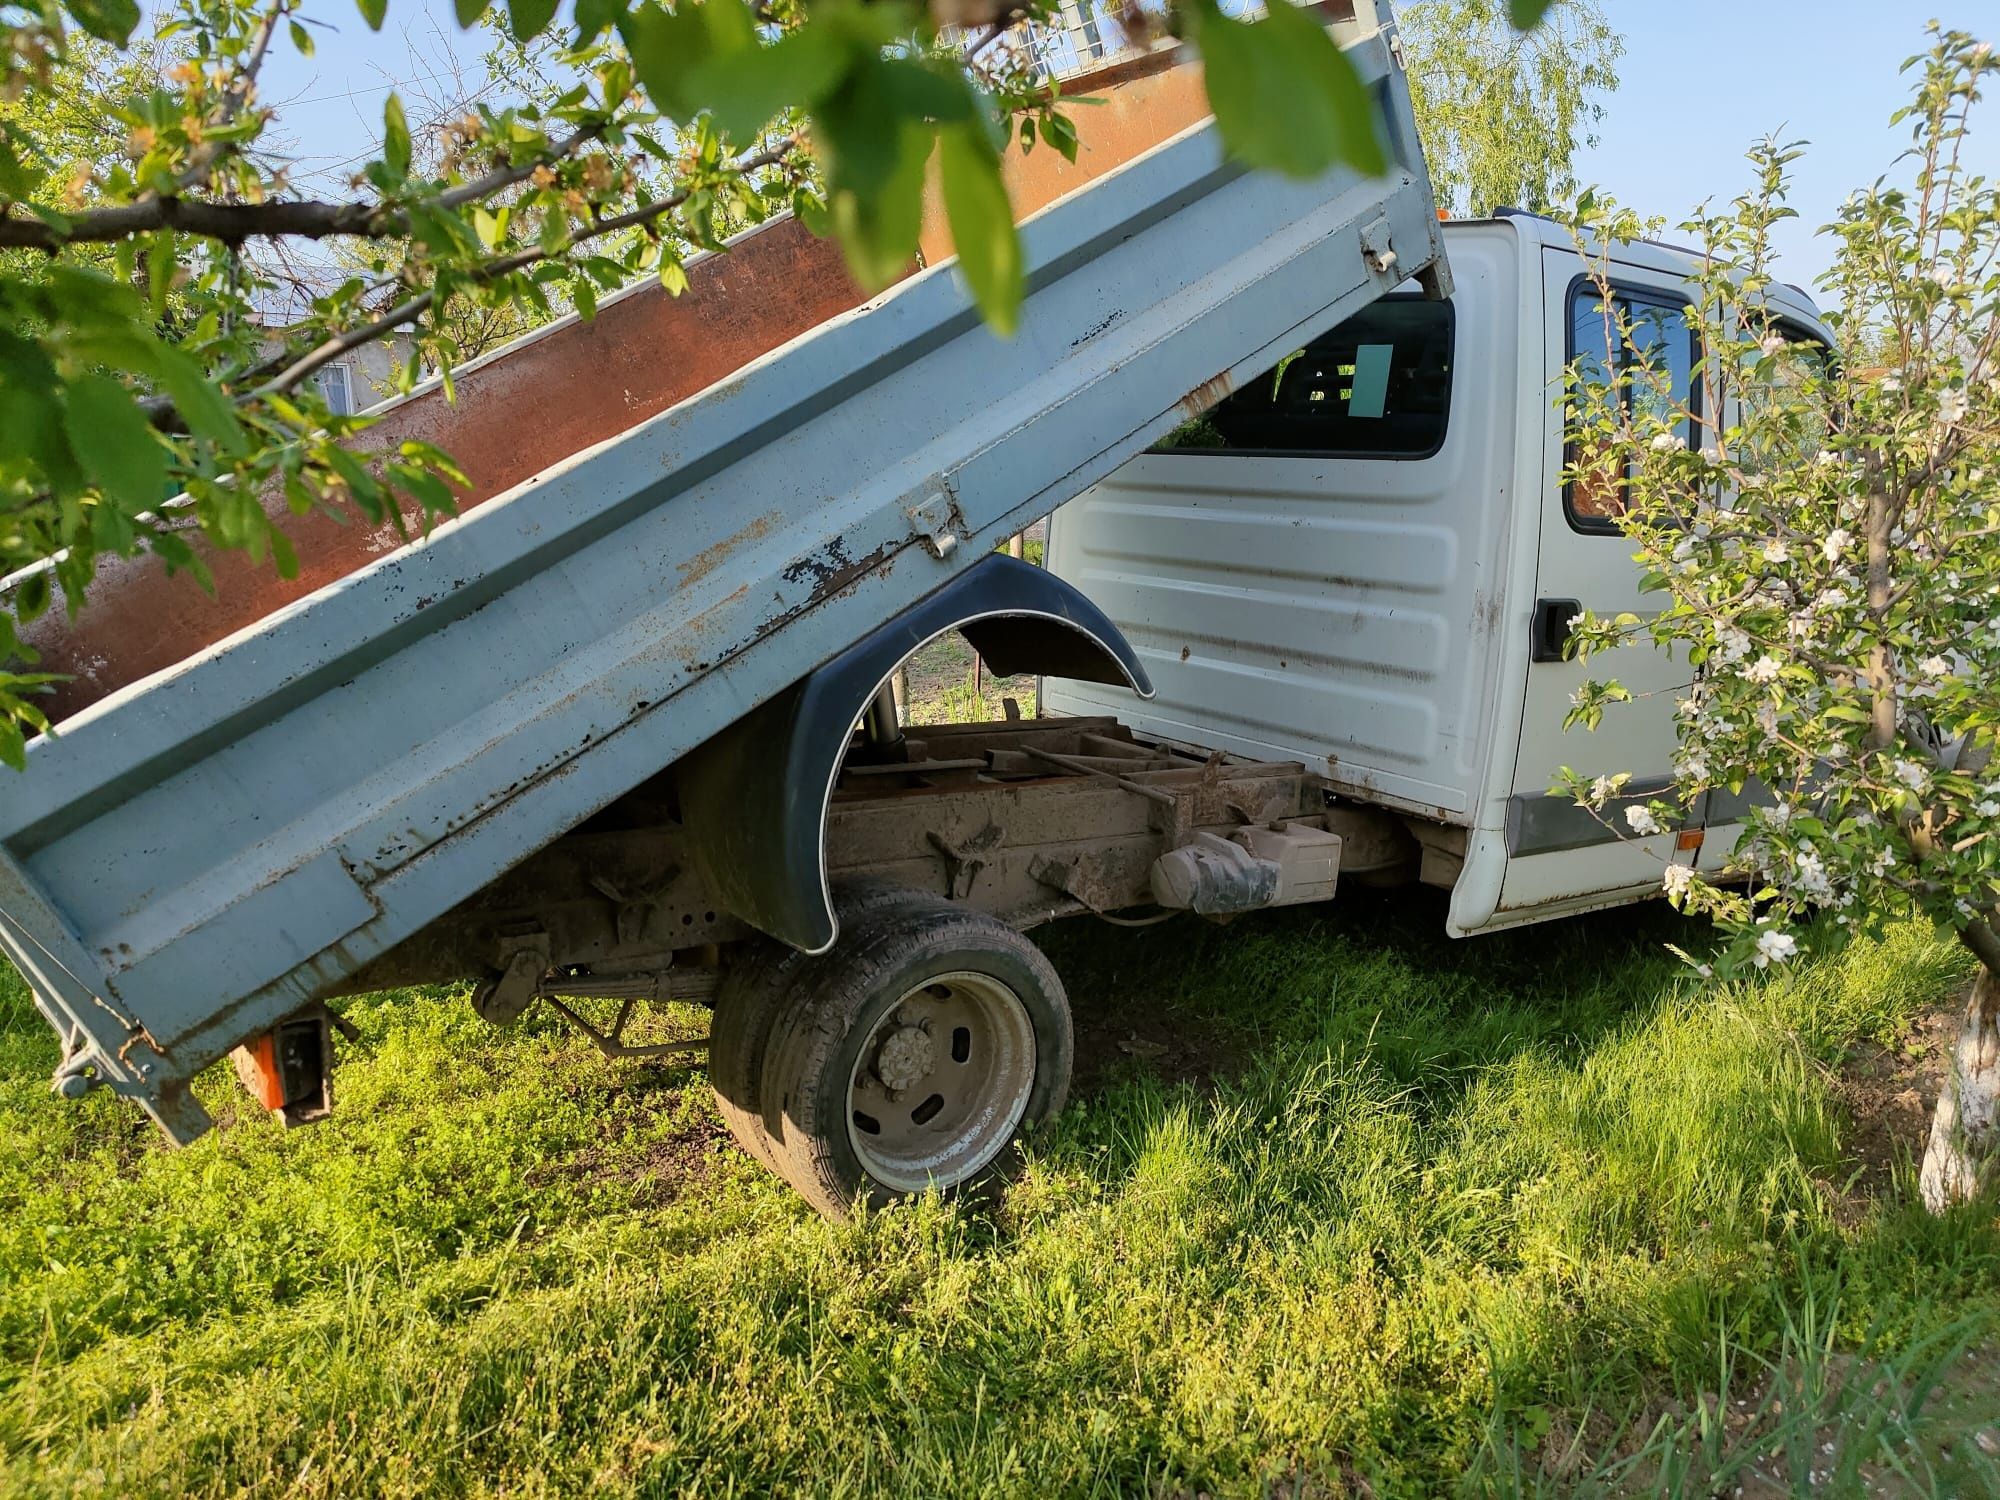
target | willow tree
[{"x": 1503, "y": 111}]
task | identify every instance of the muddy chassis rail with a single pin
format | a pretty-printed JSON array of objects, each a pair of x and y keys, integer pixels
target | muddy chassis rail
[{"x": 1027, "y": 820}]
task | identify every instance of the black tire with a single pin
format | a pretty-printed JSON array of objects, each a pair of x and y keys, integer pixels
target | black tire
[
  {"x": 899, "y": 956},
  {"x": 744, "y": 1005},
  {"x": 753, "y": 989}
]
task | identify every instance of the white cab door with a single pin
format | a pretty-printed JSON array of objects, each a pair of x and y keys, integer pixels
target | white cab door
[{"x": 1559, "y": 857}]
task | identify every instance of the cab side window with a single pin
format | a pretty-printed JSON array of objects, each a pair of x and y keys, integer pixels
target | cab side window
[
  {"x": 1376, "y": 386},
  {"x": 1656, "y": 336}
]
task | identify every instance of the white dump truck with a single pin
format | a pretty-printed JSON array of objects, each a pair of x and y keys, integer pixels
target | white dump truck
[{"x": 622, "y": 731}]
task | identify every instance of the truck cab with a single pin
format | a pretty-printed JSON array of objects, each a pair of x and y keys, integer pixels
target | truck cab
[{"x": 1365, "y": 559}]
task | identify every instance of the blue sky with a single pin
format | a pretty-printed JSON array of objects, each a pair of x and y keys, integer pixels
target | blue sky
[{"x": 1824, "y": 70}]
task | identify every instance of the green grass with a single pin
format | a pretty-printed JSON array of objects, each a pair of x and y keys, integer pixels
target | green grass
[{"x": 1529, "y": 1214}]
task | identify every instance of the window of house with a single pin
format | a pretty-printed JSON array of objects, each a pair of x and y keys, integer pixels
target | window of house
[
  {"x": 336, "y": 384},
  {"x": 1377, "y": 386},
  {"x": 1655, "y": 336}
]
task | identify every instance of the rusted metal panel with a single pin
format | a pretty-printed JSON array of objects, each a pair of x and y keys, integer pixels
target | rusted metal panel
[
  {"x": 1134, "y": 106},
  {"x": 524, "y": 407}
]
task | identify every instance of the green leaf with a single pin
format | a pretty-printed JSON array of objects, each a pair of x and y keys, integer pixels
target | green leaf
[
  {"x": 919, "y": 91},
  {"x": 748, "y": 88},
  {"x": 86, "y": 298},
  {"x": 527, "y": 19},
  {"x": 372, "y": 11},
  {"x": 107, "y": 20},
  {"x": 31, "y": 415},
  {"x": 673, "y": 276},
  {"x": 1527, "y": 14},
  {"x": 1326, "y": 118},
  {"x": 592, "y": 16},
  {"x": 426, "y": 489},
  {"x": 671, "y": 49},
  {"x": 875, "y": 183},
  {"x": 13, "y": 750},
  {"x": 662, "y": 45},
  {"x": 31, "y": 595},
  {"x": 982, "y": 224},
  {"x": 1060, "y": 132},
  {"x": 302, "y": 39},
  {"x": 202, "y": 405},
  {"x": 395, "y": 136},
  {"x": 860, "y": 144},
  {"x": 114, "y": 442},
  {"x": 283, "y": 556},
  {"x": 16, "y": 181}
]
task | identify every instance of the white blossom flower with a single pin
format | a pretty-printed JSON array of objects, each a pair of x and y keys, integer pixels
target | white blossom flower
[
  {"x": 1764, "y": 669},
  {"x": 1731, "y": 644},
  {"x": 1694, "y": 768},
  {"x": 1778, "y": 814},
  {"x": 1774, "y": 947},
  {"x": 1668, "y": 442},
  {"x": 1775, "y": 550},
  {"x": 1892, "y": 383},
  {"x": 1934, "y": 666},
  {"x": 1951, "y": 408},
  {"x": 1676, "y": 880},
  {"x": 1602, "y": 787},
  {"x": 1912, "y": 774},
  {"x": 1774, "y": 343},
  {"x": 1988, "y": 808},
  {"x": 1836, "y": 543},
  {"x": 1641, "y": 820},
  {"x": 1811, "y": 871}
]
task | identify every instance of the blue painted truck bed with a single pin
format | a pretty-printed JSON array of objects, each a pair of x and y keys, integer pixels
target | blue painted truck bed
[{"x": 204, "y": 852}]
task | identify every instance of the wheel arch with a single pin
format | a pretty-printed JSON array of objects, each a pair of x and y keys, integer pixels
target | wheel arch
[{"x": 754, "y": 798}]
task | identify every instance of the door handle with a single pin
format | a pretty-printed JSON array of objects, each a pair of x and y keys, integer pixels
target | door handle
[{"x": 1548, "y": 636}]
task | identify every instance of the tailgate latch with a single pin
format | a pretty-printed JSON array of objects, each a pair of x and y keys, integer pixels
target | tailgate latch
[
  {"x": 931, "y": 519},
  {"x": 1375, "y": 246}
]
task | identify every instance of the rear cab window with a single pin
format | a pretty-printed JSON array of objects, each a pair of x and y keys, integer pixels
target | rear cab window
[{"x": 1375, "y": 386}]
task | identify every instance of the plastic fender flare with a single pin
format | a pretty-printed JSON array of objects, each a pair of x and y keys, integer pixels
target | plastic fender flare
[{"x": 754, "y": 798}]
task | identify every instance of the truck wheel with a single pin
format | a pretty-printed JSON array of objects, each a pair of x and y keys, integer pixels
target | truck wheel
[
  {"x": 913, "y": 1055},
  {"x": 754, "y": 988},
  {"x": 748, "y": 999}
]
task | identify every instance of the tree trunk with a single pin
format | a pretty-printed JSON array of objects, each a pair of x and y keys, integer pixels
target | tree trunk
[{"x": 1965, "y": 1132}]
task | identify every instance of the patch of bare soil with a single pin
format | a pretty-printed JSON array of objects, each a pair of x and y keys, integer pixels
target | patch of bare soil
[
  {"x": 658, "y": 1172},
  {"x": 1116, "y": 1039},
  {"x": 1888, "y": 1094}
]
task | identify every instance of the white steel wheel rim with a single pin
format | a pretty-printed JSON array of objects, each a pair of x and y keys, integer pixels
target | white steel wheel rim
[{"x": 942, "y": 1082}]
